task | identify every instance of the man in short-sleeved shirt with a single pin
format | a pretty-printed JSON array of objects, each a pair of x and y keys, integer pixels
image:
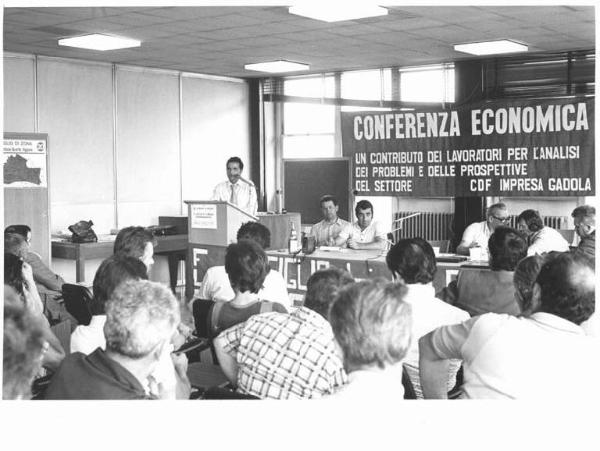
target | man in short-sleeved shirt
[
  {"x": 478, "y": 233},
  {"x": 543, "y": 355},
  {"x": 366, "y": 233},
  {"x": 332, "y": 230},
  {"x": 541, "y": 239}
]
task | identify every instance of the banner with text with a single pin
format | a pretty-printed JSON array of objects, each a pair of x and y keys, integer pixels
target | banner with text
[{"x": 503, "y": 148}]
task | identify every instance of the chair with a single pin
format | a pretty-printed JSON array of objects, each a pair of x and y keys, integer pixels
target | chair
[
  {"x": 409, "y": 391},
  {"x": 77, "y": 299},
  {"x": 444, "y": 245},
  {"x": 219, "y": 392}
]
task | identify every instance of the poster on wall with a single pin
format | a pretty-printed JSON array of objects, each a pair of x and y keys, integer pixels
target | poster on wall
[
  {"x": 24, "y": 163},
  {"x": 501, "y": 148}
]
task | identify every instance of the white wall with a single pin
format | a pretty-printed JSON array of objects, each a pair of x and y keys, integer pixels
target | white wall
[{"x": 129, "y": 148}]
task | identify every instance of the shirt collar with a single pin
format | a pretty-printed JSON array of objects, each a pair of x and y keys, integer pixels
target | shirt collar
[
  {"x": 419, "y": 290},
  {"x": 556, "y": 322}
]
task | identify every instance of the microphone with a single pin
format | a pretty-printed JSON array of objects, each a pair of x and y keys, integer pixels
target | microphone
[
  {"x": 405, "y": 217},
  {"x": 248, "y": 182}
]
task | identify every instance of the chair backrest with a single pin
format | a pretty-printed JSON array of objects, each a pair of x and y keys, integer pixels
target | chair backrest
[
  {"x": 224, "y": 393},
  {"x": 202, "y": 311},
  {"x": 78, "y": 300},
  {"x": 409, "y": 391}
]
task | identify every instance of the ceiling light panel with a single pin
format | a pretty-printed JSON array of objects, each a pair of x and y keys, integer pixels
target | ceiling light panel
[
  {"x": 100, "y": 42},
  {"x": 491, "y": 47},
  {"x": 337, "y": 11},
  {"x": 277, "y": 66}
]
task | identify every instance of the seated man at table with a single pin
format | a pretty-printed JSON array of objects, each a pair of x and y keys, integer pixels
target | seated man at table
[
  {"x": 47, "y": 282},
  {"x": 331, "y": 231},
  {"x": 247, "y": 266},
  {"x": 412, "y": 261},
  {"x": 541, "y": 239},
  {"x": 23, "y": 347},
  {"x": 478, "y": 233},
  {"x": 541, "y": 355},
  {"x": 216, "y": 286},
  {"x": 372, "y": 325},
  {"x": 287, "y": 356},
  {"x": 141, "y": 320},
  {"x": 480, "y": 291},
  {"x": 366, "y": 232},
  {"x": 584, "y": 218},
  {"x": 137, "y": 242}
]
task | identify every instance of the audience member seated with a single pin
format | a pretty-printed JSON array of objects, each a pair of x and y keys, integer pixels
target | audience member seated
[
  {"x": 541, "y": 355},
  {"x": 481, "y": 291},
  {"x": 18, "y": 276},
  {"x": 584, "y": 218},
  {"x": 372, "y": 325},
  {"x": 215, "y": 285},
  {"x": 141, "y": 320},
  {"x": 540, "y": 239},
  {"x": 332, "y": 230},
  {"x": 412, "y": 262},
  {"x": 23, "y": 347},
  {"x": 524, "y": 278},
  {"x": 247, "y": 266},
  {"x": 46, "y": 280},
  {"x": 287, "y": 356},
  {"x": 136, "y": 242},
  {"x": 366, "y": 233},
  {"x": 110, "y": 274},
  {"x": 478, "y": 233}
]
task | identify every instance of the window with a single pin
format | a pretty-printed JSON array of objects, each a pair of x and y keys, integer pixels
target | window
[
  {"x": 432, "y": 84},
  {"x": 309, "y": 128},
  {"x": 366, "y": 85}
]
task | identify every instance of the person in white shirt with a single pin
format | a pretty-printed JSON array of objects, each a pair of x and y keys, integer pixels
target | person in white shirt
[
  {"x": 366, "y": 233},
  {"x": 332, "y": 230},
  {"x": 412, "y": 261},
  {"x": 543, "y": 354},
  {"x": 478, "y": 233},
  {"x": 372, "y": 325},
  {"x": 237, "y": 190},
  {"x": 216, "y": 286},
  {"x": 541, "y": 239}
]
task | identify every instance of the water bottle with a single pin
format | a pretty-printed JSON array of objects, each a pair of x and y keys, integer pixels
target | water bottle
[
  {"x": 278, "y": 201},
  {"x": 293, "y": 244}
]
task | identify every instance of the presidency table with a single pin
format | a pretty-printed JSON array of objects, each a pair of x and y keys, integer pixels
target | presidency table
[
  {"x": 173, "y": 246},
  {"x": 296, "y": 269}
]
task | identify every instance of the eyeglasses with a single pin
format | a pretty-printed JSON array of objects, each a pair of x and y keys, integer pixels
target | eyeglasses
[{"x": 503, "y": 220}]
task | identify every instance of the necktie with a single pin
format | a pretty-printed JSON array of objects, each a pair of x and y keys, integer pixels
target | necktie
[{"x": 234, "y": 195}]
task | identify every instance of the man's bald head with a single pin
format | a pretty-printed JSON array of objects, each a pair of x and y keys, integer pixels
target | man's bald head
[{"x": 567, "y": 287}]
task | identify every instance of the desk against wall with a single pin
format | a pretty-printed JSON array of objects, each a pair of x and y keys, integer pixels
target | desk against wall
[
  {"x": 173, "y": 246},
  {"x": 296, "y": 270}
]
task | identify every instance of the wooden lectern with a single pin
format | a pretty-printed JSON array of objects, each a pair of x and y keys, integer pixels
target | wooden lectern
[{"x": 210, "y": 223}]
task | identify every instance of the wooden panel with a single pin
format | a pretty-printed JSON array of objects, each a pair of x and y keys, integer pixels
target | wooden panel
[{"x": 279, "y": 226}]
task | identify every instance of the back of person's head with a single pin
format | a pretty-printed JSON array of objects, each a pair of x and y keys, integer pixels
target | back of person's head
[
  {"x": 322, "y": 288},
  {"x": 140, "y": 317},
  {"x": 328, "y": 198},
  {"x": 15, "y": 244},
  {"x": 371, "y": 323},
  {"x": 113, "y": 271},
  {"x": 412, "y": 260},
  {"x": 496, "y": 208},
  {"x": 246, "y": 265},
  {"x": 131, "y": 241},
  {"x": 22, "y": 347},
  {"x": 13, "y": 272},
  {"x": 567, "y": 286},
  {"x": 255, "y": 231},
  {"x": 532, "y": 219},
  {"x": 526, "y": 273},
  {"x": 363, "y": 205},
  {"x": 584, "y": 212},
  {"x": 506, "y": 248},
  {"x": 20, "y": 229}
]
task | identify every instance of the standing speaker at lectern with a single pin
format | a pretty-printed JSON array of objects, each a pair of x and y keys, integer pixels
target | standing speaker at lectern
[{"x": 237, "y": 190}]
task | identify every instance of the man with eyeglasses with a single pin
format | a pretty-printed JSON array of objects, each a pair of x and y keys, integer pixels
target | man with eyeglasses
[
  {"x": 478, "y": 233},
  {"x": 584, "y": 218}
]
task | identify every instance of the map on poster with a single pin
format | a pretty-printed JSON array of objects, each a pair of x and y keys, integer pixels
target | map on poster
[{"x": 24, "y": 163}]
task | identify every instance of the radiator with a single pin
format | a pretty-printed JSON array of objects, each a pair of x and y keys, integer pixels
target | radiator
[
  {"x": 430, "y": 226},
  {"x": 433, "y": 226}
]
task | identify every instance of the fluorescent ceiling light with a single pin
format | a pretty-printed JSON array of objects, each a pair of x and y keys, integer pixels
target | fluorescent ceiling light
[
  {"x": 337, "y": 11},
  {"x": 99, "y": 42},
  {"x": 276, "y": 66},
  {"x": 491, "y": 47}
]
